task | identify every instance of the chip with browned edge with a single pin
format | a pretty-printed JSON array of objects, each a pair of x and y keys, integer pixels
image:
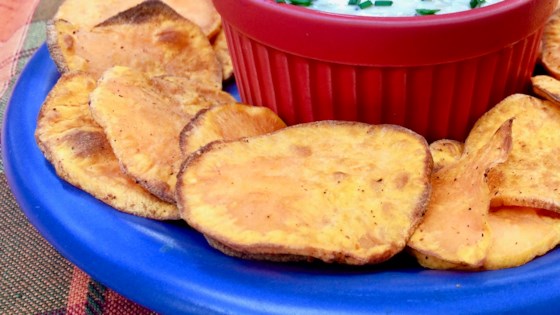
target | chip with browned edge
[
  {"x": 149, "y": 37},
  {"x": 190, "y": 92},
  {"x": 92, "y": 12},
  {"x": 550, "y": 54},
  {"x": 547, "y": 87},
  {"x": 227, "y": 123},
  {"x": 80, "y": 153},
  {"x": 341, "y": 192},
  {"x": 445, "y": 152},
  {"x": 143, "y": 124},
  {"x": 519, "y": 235},
  {"x": 455, "y": 231},
  {"x": 531, "y": 175},
  {"x": 222, "y": 53}
]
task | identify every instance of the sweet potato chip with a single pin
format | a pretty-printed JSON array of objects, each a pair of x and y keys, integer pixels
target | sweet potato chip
[
  {"x": 455, "y": 228},
  {"x": 550, "y": 55},
  {"x": 547, "y": 87},
  {"x": 80, "y": 153},
  {"x": 191, "y": 92},
  {"x": 519, "y": 235},
  {"x": 531, "y": 175},
  {"x": 341, "y": 192},
  {"x": 445, "y": 152},
  {"x": 223, "y": 55},
  {"x": 227, "y": 123},
  {"x": 150, "y": 37},
  {"x": 89, "y": 13},
  {"x": 143, "y": 124},
  {"x": 201, "y": 12}
]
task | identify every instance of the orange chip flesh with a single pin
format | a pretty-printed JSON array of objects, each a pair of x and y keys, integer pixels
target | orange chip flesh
[
  {"x": 93, "y": 12},
  {"x": 143, "y": 125},
  {"x": 229, "y": 122},
  {"x": 455, "y": 228},
  {"x": 201, "y": 12},
  {"x": 150, "y": 37},
  {"x": 341, "y": 192},
  {"x": 90, "y": 13},
  {"x": 519, "y": 235},
  {"x": 531, "y": 175},
  {"x": 445, "y": 152},
  {"x": 80, "y": 153},
  {"x": 190, "y": 91}
]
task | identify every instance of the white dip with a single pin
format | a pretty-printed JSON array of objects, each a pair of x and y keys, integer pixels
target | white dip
[{"x": 397, "y": 8}]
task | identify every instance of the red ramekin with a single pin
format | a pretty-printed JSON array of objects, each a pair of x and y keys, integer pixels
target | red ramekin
[{"x": 433, "y": 74}]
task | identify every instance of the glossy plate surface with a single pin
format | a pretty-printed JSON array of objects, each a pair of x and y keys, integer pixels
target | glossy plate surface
[{"x": 169, "y": 268}]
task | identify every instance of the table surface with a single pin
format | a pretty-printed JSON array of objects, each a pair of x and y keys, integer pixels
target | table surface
[{"x": 34, "y": 278}]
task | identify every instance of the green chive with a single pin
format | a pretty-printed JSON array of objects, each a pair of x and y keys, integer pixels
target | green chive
[
  {"x": 476, "y": 3},
  {"x": 280, "y": 1},
  {"x": 426, "y": 11},
  {"x": 383, "y": 3},
  {"x": 353, "y": 2},
  {"x": 365, "y": 4},
  {"x": 301, "y": 2}
]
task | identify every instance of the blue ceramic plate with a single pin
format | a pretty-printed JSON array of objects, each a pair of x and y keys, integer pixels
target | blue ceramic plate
[{"x": 169, "y": 268}]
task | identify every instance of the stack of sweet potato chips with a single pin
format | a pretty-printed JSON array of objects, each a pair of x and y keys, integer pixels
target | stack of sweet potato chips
[{"x": 139, "y": 120}]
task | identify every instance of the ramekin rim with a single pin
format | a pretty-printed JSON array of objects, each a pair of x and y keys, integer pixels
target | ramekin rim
[{"x": 455, "y": 17}]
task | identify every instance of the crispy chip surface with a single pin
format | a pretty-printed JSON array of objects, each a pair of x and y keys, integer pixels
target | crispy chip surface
[
  {"x": 227, "y": 123},
  {"x": 455, "y": 228},
  {"x": 190, "y": 91},
  {"x": 150, "y": 37},
  {"x": 201, "y": 12},
  {"x": 445, "y": 152},
  {"x": 223, "y": 55},
  {"x": 80, "y": 153},
  {"x": 550, "y": 55},
  {"x": 335, "y": 191},
  {"x": 519, "y": 235},
  {"x": 531, "y": 175},
  {"x": 143, "y": 126},
  {"x": 92, "y": 12},
  {"x": 547, "y": 87}
]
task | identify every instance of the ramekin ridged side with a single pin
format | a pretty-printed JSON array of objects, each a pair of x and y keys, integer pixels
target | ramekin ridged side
[{"x": 437, "y": 101}]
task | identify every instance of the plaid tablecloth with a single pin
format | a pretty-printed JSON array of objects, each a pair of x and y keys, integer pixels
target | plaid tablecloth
[{"x": 34, "y": 278}]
